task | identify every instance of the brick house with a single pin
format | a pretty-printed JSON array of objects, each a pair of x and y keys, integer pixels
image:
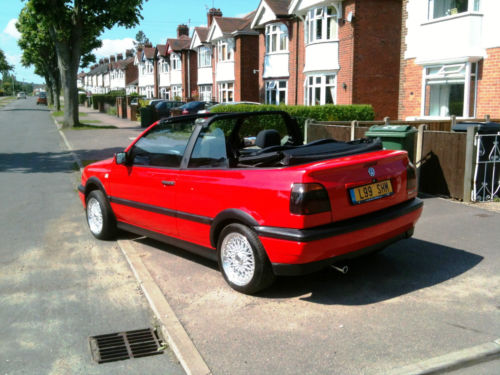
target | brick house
[
  {"x": 235, "y": 62},
  {"x": 146, "y": 65},
  {"x": 317, "y": 52},
  {"x": 182, "y": 65},
  {"x": 163, "y": 67},
  {"x": 450, "y": 61},
  {"x": 123, "y": 71}
]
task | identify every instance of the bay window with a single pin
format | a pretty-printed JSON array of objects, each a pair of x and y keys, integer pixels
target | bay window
[
  {"x": 225, "y": 50},
  {"x": 320, "y": 89},
  {"x": 321, "y": 24},
  {"x": 175, "y": 61},
  {"x": 204, "y": 57},
  {"x": 276, "y": 92},
  {"x": 205, "y": 93},
  {"x": 276, "y": 38},
  {"x": 163, "y": 66},
  {"x": 443, "y": 8},
  {"x": 226, "y": 92},
  {"x": 449, "y": 90}
]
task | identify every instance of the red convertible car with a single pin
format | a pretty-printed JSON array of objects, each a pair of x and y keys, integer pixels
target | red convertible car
[{"x": 243, "y": 189}]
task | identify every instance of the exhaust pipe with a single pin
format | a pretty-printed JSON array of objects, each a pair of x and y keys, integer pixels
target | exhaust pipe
[{"x": 343, "y": 269}]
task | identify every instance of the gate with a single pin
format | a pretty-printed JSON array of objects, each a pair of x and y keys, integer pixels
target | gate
[{"x": 487, "y": 173}]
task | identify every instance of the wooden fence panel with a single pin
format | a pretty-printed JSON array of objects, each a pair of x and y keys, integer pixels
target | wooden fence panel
[
  {"x": 338, "y": 132},
  {"x": 443, "y": 163}
]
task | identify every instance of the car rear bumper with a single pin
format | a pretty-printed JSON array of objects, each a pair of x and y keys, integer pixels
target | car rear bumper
[{"x": 300, "y": 251}]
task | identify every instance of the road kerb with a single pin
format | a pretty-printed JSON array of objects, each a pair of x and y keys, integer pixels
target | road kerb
[
  {"x": 452, "y": 361},
  {"x": 68, "y": 145},
  {"x": 172, "y": 329}
]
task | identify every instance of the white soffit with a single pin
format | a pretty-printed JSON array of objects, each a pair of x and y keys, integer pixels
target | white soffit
[{"x": 263, "y": 15}]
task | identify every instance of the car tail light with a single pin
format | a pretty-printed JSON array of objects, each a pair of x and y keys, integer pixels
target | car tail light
[
  {"x": 411, "y": 178},
  {"x": 308, "y": 199},
  {"x": 185, "y": 112}
]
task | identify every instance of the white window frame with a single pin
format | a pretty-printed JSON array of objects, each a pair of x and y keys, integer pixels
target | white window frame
[
  {"x": 276, "y": 35},
  {"x": 273, "y": 90},
  {"x": 163, "y": 66},
  {"x": 205, "y": 93},
  {"x": 204, "y": 57},
  {"x": 226, "y": 92},
  {"x": 225, "y": 50},
  {"x": 320, "y": 81},
  {"x": 472, "y": 6},
  {"x": 447, "y": 74},
  {"x": 319, "y": 17},
  {"x": 175, "y": 61},
  {"x": 165, "y": 93},
  {"x": 176, "y": 91}
]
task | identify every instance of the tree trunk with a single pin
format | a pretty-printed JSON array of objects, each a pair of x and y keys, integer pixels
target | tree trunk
[
  {"x": 48, "y": 83},
  {"x": 68, "y": 60},
  {"x": 57, "y": 89}
]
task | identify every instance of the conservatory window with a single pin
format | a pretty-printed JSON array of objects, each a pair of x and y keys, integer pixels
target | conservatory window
[
  {"x": 450, "y": 90},
  {"x": 276, "y": 38}
]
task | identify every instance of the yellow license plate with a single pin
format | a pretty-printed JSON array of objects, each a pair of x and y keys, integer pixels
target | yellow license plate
[{"x": 370, "y": 192}]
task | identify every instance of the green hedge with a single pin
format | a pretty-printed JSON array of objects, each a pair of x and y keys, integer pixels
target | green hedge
[
  {"x": 328, "y": 112},
  {"x": 82, "y": 98}
]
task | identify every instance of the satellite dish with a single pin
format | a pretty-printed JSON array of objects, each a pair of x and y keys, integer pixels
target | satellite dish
[{"x": 349, "y": 17}]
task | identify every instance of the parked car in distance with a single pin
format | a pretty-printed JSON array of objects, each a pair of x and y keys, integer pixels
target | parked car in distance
[
  {"x": 21, "y": 95},
  {"x": 260, "y": 209},
  {"x": 208, "y": 109},
  {"x": 42, "y": 98},
  {"x": 163, "y": 107},
  {"x": 191, "y": 107}
]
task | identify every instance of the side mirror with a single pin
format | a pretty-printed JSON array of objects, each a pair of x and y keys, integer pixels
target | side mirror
[{"x": 121, "y": 158}]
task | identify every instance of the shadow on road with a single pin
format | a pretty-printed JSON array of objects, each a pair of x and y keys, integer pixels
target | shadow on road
[
  {"x": 36, "y": 162},
  {"x": 26, "y": 109},
  {"x": 402, "y": 268}
]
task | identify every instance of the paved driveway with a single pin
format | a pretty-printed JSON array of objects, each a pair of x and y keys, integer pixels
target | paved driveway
[{"x": 427, "y": 296}]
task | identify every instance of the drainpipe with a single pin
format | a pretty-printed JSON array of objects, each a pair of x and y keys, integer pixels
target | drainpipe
[{"x": 189, "y": 73}]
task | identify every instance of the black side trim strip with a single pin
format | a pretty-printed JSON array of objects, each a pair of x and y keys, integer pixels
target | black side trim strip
[
  {"x": 342, "y": 227},
  {"x": 162, "y": 211},
  {"x": 202, "y": 251},
  {"x": 282, "y": 269},
  {"x": 81, "y": 189}
]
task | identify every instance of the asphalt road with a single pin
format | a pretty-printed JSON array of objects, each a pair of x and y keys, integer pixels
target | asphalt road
[{"x": 58, "y": 285}]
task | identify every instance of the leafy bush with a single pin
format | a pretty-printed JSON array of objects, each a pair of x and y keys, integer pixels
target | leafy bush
[
  {"x": 301, "y": 113},
  {"x": 82, "y": 98},
  {"x": 99, "y": 98}
]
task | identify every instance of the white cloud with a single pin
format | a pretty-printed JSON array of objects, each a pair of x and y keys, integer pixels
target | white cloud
[
  {"x": 11, "y": 30},
  {"x": 114, "y": 46},
  {"x": 13, "y": 59}
]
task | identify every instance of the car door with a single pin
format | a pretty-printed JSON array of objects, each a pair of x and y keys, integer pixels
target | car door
[{"x": 143, "y": 192}]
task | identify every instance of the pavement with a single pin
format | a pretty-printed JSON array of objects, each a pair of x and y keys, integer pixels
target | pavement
[{"x": 430, "y": 304}]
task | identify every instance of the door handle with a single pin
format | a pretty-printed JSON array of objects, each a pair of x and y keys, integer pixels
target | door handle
[{"x": 168, "y": 183}]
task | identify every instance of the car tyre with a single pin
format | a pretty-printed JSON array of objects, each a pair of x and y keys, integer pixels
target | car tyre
[
  {"x": 100, "y": 218},
  {"x": 243, "y": 260}
]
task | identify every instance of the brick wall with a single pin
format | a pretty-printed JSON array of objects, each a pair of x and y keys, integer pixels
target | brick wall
[
  {"x": 262, "y": 53},
  {"x": 189, "y": 81},
  {"x": 488, "y": 93},
  {"x": 246, "y": 58},
  {"x": 377, "y": 35},
  {"x": 346, "y": 56},
  {"x": 410, "y": 89}
]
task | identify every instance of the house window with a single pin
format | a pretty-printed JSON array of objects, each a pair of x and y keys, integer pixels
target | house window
[
  {"x": 320, "y": 89},
  {"x": 205, "y": 93},
  {"x": 204, "y": 57},
  {"x": 149, "y": 67},
  {"x": 164, "y": 93},
  {"x": 163, "y": 66},
  {"x": 450, "y": 90},
  {"x": 175, "y": 60},
  {"x": 177, "y": 92},
  {"x": 443, "y": 8},
  {"x": 225, "y": 50},
  {"x": 226, "y": 92},
  {"x": 321, "y": 24},
  {"x": 276, "y": 38},
  {"x": 276, "y": 92}
]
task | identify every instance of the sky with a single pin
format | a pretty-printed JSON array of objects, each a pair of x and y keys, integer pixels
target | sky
[{"x": 161, "y": 18}]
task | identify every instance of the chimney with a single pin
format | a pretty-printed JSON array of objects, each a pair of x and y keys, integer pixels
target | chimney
[
  {"x": 106, "y": 60},
  {"x": 139, "y": 48},
  {"x": 119, "y": 57},
  {"x": 182, "y": 30},
  {"x": 129, "y": 53},
  {"x": 112, "y": 58},
  {"x": 211, "y": 14},
  {"x": 148, "y": 45},
  {"x": 101, "y": 61}
]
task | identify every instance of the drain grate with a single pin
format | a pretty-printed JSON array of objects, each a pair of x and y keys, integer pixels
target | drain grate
[{"x": 125, "y": 345}]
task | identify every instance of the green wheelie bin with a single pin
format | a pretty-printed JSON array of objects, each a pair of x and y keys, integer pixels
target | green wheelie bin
[{"x": 395, "y": 137}]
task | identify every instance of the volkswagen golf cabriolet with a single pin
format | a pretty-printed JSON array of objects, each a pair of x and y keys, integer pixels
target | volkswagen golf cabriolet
[{"x": 244, "y": 190}]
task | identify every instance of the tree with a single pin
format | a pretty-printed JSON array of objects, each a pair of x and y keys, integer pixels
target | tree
[
  {"x": 39, "y": 51},
  {"x": 4, "y": 65},
  {"x": 75, "y": 26},
  {"x": 141, "y": 39}
]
